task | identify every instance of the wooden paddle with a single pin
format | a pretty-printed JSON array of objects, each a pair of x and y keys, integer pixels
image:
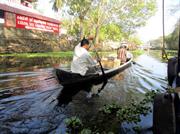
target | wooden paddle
[
  {"x": 99, "y": 61},
  {"x": 97, "y": 55},
  {"x": 100, "y": 64},
  {"x": 104, "y": 77}
]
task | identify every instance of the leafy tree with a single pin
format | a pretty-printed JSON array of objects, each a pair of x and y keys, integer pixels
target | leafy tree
[
  {"x": 101, "y": 14},
  {"x": 129, "y": 15},
  {"x": 57, "y": 4},
  {"x": 134, "y": 13},
  {"x": 113, "y": 30},
  {"x": 107, "y": 19},
  {"x": 72, "y": 25},
  {"x": 173, "y": 38},
  {"x": 79, "y": 8},
  {"x": 135, "y": 40}
]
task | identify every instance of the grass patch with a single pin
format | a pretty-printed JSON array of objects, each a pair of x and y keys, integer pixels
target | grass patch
[
  {"x": 62, "y": 54},
  {"x": 33, "y": 55},
  {"x": 137, "y": 53},
  {"x": 172, "y": 53},
  {"x": 48, "y": 54},
  {"x": 158, "y": 54}
]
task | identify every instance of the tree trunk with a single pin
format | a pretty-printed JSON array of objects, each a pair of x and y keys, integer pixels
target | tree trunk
[
  {"x": 81, "y": 29},
  {"x": 97, "y": 35}
]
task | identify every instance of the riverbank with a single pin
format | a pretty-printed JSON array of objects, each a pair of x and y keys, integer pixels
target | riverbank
[
  {"x": 34, "y": 55},
  {"x": 158, "y": 54},
  {"x": 62, "y": 54},
  {"x": 30, "y": 61}
]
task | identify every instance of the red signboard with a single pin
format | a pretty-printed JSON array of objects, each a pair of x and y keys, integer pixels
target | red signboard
[{"x": 37, "y": 24}]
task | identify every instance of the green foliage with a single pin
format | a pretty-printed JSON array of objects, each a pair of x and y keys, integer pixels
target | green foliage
[
  {"x": 172, "y": 39},
  {"x": 106, "y": 19},
  {"x": 111, "y": 32},
  {"x": 74, "y": 125},
  {"x": 57, "y": 4},
  {"x": 110, "y": 109},
  {"x": 172, "y": 53},
  {"x": 86, "y": 131},
  {"x": 137, "y": 52},
  {"x": 79, "y": 8},
  {"x": 156, "y": 44},
  {"x": 114, "y": 112},
  {"x": 72, "y": 26},
  {"x": 135, "y": 40},
  {"x": 131, "y": 113},
  {"x": 134, "y": 14},
  {"x": 137, "y": 129},
  {"x": 171, "y": 90}
]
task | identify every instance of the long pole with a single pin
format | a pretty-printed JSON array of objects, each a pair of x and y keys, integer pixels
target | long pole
[
  {"x": 99, "y": 60},
  {"x": 178, "y": 68},
  {"x": 104, "y": 76},
  {"x": 164, "y": 55}
]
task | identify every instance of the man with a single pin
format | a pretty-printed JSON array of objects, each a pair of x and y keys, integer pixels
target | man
[
  {"x": 82, "y": 61},
  {"x": 122, "y": 54}
]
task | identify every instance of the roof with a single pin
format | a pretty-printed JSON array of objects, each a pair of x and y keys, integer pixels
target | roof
[
  {"x": 30, "y": 0},
  {"x": 27, "y": 13}
]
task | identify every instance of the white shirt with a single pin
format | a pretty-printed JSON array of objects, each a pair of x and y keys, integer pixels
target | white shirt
[
  {"x": 81, "y": 60},
  {"x": 129, "y": 55}
]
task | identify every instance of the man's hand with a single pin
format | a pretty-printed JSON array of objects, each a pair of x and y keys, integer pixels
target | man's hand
[
  {"x": 98, "y": 59},
  {"x": 90, "y": 38}
]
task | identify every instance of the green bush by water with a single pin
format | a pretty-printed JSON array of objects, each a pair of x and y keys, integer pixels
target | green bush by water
[{"x": 109, "y": 116}]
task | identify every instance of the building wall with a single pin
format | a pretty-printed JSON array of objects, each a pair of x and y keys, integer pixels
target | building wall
[
  {"x": 20, "y": 40},
  {"x": 15, "y": 33}
]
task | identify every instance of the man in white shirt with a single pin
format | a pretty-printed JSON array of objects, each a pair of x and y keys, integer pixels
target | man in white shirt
[{"x": 82, "y": 62}]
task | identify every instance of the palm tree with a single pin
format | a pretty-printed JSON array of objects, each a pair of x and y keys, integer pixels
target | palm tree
[{"x": 57, "y": 4}]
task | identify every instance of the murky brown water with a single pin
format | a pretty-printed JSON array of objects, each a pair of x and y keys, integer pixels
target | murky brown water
[{"x": 28, "y": 101}]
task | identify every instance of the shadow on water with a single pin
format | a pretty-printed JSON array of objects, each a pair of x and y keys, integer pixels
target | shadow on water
[
  {"x": 66, "y": 94},
  {"x": 32, "y": 105}
]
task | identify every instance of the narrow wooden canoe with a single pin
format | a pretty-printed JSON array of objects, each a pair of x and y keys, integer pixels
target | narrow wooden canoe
[{"x": 69, "y": 79}]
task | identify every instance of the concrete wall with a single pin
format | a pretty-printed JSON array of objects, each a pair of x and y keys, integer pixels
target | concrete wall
[{"x": 14, "y": 40}]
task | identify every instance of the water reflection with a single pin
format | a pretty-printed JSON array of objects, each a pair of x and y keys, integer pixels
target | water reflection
[
  {"x": 32, "y": 107},
  {"x": 23, "y": 82},
  {"x": 17, "y": 64}
]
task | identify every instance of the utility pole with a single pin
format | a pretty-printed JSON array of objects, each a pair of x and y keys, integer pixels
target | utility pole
[
  {"x": 164, "y": 55},
  {"x": 178, "y": 68}
]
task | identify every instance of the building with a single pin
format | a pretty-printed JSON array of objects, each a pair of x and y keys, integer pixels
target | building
[
  {"x": 129, "y": 44},
  {"x": 20, "y": 14}
]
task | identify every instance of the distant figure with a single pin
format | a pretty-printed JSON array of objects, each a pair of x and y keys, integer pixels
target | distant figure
[
  {"x": 83, "y": 63},
  {"x": 122, "y": 54}
]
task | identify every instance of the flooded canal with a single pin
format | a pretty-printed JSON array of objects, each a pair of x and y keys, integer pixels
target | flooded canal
[{"x": 28, "y": 93}]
